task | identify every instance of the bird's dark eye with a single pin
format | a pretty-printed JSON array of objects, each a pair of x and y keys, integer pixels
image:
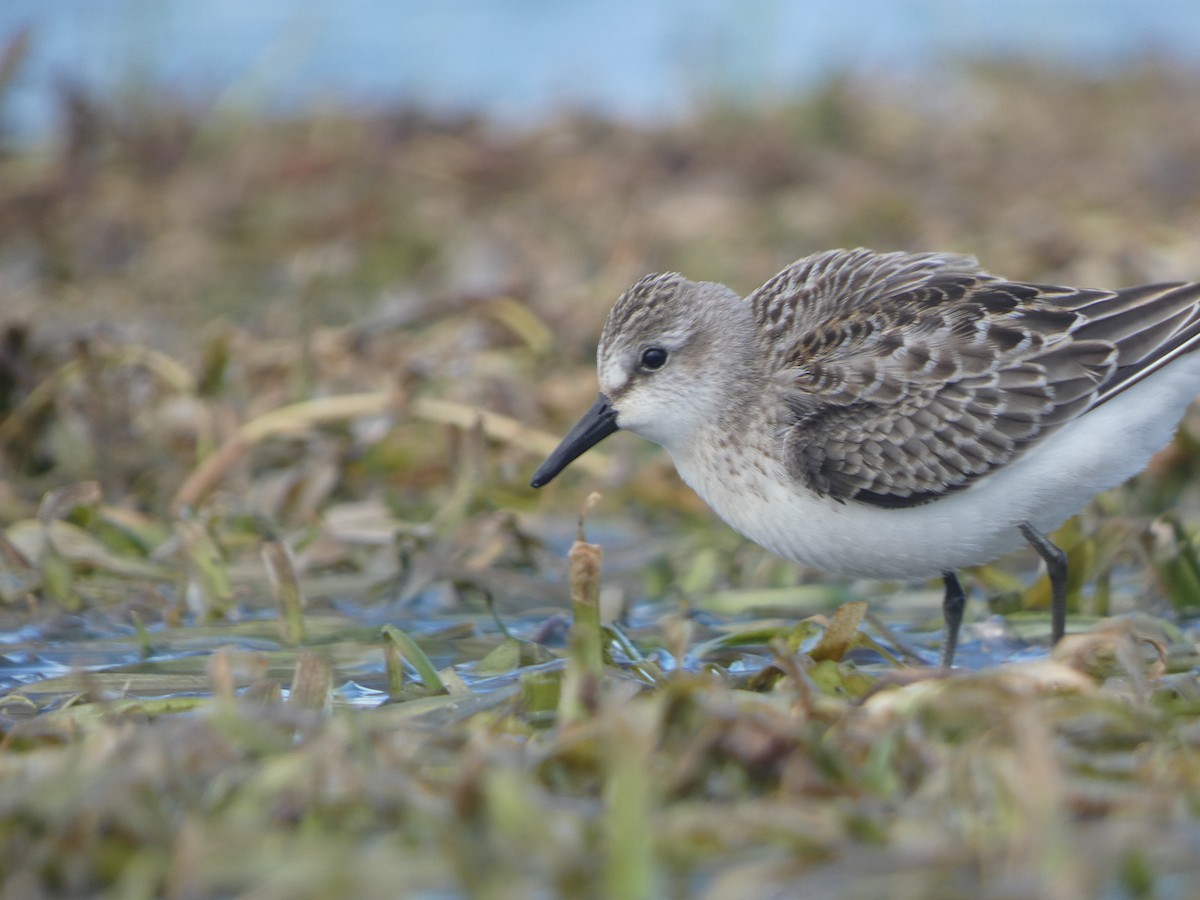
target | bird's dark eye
[{"x": 654, "y": 358}]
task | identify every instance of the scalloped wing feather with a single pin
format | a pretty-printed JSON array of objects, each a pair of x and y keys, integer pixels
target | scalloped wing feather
[{"x": 901, "y": 378}]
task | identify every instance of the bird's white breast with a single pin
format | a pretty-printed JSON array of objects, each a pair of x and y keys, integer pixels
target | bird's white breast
[{"x": 749, "y": 487}]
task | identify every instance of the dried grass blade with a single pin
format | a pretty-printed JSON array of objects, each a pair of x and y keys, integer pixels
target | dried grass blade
[
  {"x": 285, "y": 586},
  {"x": 841, "y": 633}
]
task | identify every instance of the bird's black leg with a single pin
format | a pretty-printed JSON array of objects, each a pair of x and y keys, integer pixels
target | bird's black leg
[
  {"x": 1056, "y": 568},
  {"x": 952, "y": 612}
]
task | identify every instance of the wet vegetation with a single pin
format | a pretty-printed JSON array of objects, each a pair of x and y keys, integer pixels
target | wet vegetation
[{"x": 281, "y": 617}]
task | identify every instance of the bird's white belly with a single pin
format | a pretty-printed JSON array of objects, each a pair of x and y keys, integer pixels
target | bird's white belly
[{"x": 1044, "y": 486}]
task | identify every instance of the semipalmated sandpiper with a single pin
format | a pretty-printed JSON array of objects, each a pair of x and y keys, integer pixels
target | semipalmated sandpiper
[{"x": 894, "y": 415}]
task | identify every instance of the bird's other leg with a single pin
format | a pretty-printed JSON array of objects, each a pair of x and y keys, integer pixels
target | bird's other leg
[
  {"x": 1056, "y": 568},
  {"x": 952, "y": 612}
]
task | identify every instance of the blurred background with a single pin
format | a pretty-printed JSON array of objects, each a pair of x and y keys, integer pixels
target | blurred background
[
  {"x": 773, "y": 85},
  {"x": 294, "y": 297},
  {"x": 212, "y": 211},
  {"x": 520, "y": 63}
]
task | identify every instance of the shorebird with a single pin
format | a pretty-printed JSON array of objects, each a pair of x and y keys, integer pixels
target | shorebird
[{"x": 895, "y": 415}]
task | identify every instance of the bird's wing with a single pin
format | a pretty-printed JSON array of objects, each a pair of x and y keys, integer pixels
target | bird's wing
[{"x": 902, "y": 378}]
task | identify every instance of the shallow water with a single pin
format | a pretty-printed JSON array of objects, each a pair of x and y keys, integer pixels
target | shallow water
[
  {"x": 49, "y": 662},
  {"x": 522, "y": 64}
]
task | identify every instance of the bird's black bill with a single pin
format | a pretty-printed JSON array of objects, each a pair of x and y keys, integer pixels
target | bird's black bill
[{"x": 597, "y": 423}]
